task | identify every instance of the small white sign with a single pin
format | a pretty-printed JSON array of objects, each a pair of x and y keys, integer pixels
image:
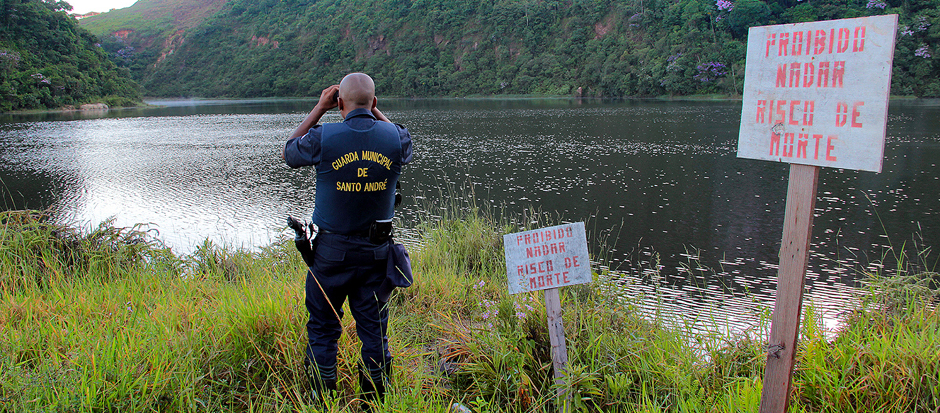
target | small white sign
[
  {"x": 817, "y": 93},
  {"x": 547, "y": 258}
]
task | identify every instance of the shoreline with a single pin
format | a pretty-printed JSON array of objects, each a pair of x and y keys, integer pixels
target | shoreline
[
  {"x": 85, "y": 108},
  {"x": 225, "y": 100}
]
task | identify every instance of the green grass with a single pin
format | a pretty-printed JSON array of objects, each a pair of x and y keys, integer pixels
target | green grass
[{"x": 107, "y": 319}]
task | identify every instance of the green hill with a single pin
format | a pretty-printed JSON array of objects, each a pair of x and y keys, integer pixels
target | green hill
[
  {"x": 145, "y": 33},
  {"x": 253, "y": 48},
  {"x": 48, "y": 61}
]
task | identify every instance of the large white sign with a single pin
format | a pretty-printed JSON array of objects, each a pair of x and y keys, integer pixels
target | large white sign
[
  {"x": 817, "y": 93},
  {"x": 547, "y": 258}
]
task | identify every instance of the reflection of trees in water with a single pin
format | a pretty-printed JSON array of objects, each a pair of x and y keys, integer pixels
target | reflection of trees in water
[{"x": 24, "y": 188}]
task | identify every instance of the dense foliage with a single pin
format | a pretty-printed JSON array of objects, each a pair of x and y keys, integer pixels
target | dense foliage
[
  {"x": 48, "y": 61},
  {"x": 608, "y": 48}
]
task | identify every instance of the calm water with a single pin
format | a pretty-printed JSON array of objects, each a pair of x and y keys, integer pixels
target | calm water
[{"x": 658, "y": 184}]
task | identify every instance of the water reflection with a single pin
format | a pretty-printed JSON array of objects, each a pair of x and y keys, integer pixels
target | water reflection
[{"x": 658, "y": 180}]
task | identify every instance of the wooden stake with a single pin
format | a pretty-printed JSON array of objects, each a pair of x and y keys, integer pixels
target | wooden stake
[
  {"x": 556, "y": 335},
  {"x": 794, "y": 255}
]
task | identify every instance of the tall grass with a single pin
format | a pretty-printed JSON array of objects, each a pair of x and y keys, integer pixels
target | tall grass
[
  {"x": 107, "y": 319},
  {"x": 35, "y": 251},
  {"x": 887, "y": 357}
]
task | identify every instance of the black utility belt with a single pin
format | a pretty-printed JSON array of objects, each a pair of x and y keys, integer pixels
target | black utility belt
[
  {"x": 363, "y": 234},
  {"x": 380, "y": 231}
]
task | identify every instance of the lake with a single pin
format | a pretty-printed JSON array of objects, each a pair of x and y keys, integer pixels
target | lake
[{"x": 665, "y": 199}]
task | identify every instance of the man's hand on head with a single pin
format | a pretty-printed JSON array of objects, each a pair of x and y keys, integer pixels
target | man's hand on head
[
  {"x": 327, "y": 98},
  {"x": 325, "y": 103}
]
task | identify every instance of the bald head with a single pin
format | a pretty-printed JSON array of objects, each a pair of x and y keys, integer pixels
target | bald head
[{"x": 357, "y": 90}]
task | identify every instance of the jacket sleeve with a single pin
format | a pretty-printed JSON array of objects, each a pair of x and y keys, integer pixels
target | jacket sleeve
[
  {"x": 405, "y": 137},
  {"x": 304, "y": 150}
]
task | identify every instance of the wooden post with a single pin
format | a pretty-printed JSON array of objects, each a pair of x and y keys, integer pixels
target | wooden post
[
  {"x": 556, "y": 336},
  {"x": 794, "y": 255}
]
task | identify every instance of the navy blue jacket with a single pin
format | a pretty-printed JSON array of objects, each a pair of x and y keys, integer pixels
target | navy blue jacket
[{"x": 358, "y": 163}]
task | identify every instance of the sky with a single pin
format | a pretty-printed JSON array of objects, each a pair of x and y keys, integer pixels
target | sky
[{"x": 85, "y": 6}]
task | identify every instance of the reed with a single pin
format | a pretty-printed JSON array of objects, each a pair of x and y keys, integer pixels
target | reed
[{"x": 107, "y": 319}]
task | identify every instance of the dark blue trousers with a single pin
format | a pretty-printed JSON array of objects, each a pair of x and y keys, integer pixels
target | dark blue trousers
[{"x": 347, "y": 267}]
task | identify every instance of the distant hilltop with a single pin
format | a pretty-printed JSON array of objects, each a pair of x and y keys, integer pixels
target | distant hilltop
[
  {"x": 89, "y": 14},
  {"x": 589, "y": 48},
  {"x": 82, "y": 16}
]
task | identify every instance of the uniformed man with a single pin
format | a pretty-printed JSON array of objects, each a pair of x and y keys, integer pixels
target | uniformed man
[{"x": 358, "y": 162}]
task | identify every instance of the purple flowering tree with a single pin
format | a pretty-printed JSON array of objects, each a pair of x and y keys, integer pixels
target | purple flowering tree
[
  {"x": 9, "y": 60},
  {"x": 876, "y": 4},
  {"x": 922, "y": 51},
  {"x": 723, "y": 6},
  {"x": 916, "y": 33},
  {"x": 710, "y": 71}
]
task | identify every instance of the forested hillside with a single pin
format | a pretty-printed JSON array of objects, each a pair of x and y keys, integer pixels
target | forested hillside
[
  {"x": 252, "y": 48},
  {"x": 48, "y": 61}
]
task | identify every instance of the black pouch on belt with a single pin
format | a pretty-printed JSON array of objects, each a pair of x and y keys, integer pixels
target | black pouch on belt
[{"x": 380, "y": 231}]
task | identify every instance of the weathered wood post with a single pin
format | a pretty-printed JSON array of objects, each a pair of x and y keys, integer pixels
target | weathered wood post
[
  {"x": 794, "y": 257},
  {"x": 815, "y": 95},
  {"x": 556, "y": 336}
]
